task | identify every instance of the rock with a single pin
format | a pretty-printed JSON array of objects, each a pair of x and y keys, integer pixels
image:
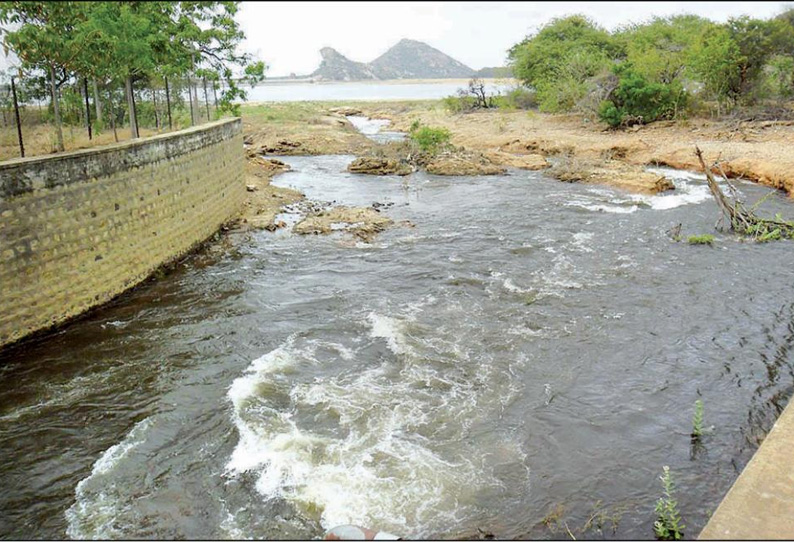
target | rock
[
  {"x": 663, "y": 184},
  {"x": 333, "y": 121},
  {"x": 379, "y": 166},
  {"x": 250, "y": 187},
  {"x": 285, "y": 147},
  {"x": 344, "y": 111},
  {"x": 362, "y": 222},
  {"x": 458, "y": 164},
  {"x": 527, "y": 161}
]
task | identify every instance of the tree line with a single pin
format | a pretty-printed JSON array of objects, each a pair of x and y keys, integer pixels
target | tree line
[
  {"x": 121, "y": 47},
  {"x": 661, "y": 69}
]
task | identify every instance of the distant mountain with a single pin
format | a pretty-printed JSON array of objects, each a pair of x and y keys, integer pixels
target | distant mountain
[
  {"x": 411, "y": 59},
  {"x": 495, "y": 73},
  {"x": 408, "y": 59},
  {"x": 337, "y": 67}
]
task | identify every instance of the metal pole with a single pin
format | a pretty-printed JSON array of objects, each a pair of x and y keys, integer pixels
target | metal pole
[
  {"x": 87, "y": 109},
  {"x": 206, "y": 99},
  {"x": 19, "y": 124},
  {"x": 168, "y": 105}
]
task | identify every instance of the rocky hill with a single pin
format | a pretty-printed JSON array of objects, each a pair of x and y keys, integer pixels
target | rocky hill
[
  {"x": 337, "y": 67},
  {"x": 408, "y": 59}
]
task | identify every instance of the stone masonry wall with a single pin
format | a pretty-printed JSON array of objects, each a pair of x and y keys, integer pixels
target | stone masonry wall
[{"x": 79, "y": 228}]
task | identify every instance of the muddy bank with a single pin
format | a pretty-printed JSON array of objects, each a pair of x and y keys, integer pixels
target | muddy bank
[{"x": 752, "y": 150}]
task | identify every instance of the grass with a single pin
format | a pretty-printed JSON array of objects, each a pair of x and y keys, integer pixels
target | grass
[{"x": 705, "y": 239}]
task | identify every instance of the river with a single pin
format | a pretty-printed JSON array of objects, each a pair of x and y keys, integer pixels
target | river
[
  {"x": 522, "y": 361},
  {"x": 363, "y": 90}
]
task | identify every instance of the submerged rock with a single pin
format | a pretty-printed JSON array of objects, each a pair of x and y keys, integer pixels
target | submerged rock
[{"x": 379, "y": 166}]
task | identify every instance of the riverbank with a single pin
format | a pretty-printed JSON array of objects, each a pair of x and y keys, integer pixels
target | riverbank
[{"x": 584, "y": 151}]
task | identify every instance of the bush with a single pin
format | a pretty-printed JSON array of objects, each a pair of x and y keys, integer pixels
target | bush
[
  {"x": 430, "y": 140},
  {"x": 705, "y": 239},
  {"x": 637, "y": 101},
  {"x": 518, "y": 98},
  {"x": 458, "y": 104}
]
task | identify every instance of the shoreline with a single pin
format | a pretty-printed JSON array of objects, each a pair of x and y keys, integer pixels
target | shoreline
[{"x": 596, "y": 155}]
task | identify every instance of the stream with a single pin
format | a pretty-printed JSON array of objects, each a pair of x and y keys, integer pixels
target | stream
[{"x": 522, "y": 361}]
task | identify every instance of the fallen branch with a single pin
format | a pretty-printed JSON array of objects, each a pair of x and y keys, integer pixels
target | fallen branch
[{"x": 743, "y": 220}]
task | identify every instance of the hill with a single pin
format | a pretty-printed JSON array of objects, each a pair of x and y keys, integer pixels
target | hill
[{"x": 408, "y": 59}]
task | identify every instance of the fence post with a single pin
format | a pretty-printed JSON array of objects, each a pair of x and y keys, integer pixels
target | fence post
[
  {"x": 206, "y": 99},
  {"x": 16, "y": 113},
  {"x": 87, "y": 109},
  {"x": 168, "y": 105}
]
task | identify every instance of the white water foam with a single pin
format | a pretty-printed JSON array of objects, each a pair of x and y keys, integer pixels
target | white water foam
[
  {"x": 96, "y": 506},
  {"x": 366, "y": 125},
  {"x": 392, "y": 458}
]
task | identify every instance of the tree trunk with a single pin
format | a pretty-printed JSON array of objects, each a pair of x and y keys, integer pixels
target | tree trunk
[
  {"x": 131, "y": 105},
  {"x": 56, "y": 110},
  {"x": 97, "y": 103},
  {"x": 190, "y": 92}
]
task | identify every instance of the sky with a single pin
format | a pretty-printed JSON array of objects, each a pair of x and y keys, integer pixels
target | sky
[{"x": 288, "y": 36}]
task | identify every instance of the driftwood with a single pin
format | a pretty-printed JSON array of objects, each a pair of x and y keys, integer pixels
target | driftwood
[{"x": 743, "y": 220}]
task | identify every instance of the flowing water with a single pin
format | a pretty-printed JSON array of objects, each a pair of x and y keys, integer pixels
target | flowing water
[{"x": 523, "y": 360}]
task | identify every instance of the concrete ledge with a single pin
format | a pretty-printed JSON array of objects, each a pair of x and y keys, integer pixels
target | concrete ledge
[{"x": 760, "y": 504}]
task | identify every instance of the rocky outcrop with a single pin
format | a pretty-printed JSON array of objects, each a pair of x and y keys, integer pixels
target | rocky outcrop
[
  {"x": 337, "y": 67},
  {"x": 411, "y": 59},
  {"x": 379, "y": 166},
  {"x": 362, "y": 222},
  {"x": 408, "y": 59},
  {"x": 530, "y": 162},
  {"x": 463, "y": 164}
]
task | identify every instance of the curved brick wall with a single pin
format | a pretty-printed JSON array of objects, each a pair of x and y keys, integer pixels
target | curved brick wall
[{"x": 79, "y": 228}]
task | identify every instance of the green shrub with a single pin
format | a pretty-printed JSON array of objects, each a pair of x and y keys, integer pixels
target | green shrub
[
  {"x": 430, "y": 140},
  {"x": 637, "y": 101},
  {"x": 458, "y": 104},
  {"x": 705, "y": 239},
  {"x": 518, "y": 98},
  {"x": 697, "y": 420},
  {"x": 668, "y": 525}
]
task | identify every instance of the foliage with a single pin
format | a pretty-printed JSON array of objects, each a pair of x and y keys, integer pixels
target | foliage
[
  {"x": 517, "y": 98},
  {"x": 668, "y": 525},
  {"x": 637, "y": 101},
  {"x": 676, "y": 62},
  {"x": 429, "y": 140},
  {"x": 560, "y": 58},
  {"x": 705, "y": 239},
  {"x": 697, "y": 420}
]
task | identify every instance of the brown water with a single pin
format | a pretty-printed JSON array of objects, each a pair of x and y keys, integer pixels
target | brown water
[{"x": 529, "y": 347}]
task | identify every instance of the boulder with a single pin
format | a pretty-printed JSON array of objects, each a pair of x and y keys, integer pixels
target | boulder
[
  {"x": 344, "y": 111},
  {"x": 458, "y": 164},
  {"x": 379, "y": 166}
]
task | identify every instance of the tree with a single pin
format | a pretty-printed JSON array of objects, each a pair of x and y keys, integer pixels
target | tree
[
  {"x": 45, "y": 39},
  {"x": 561, "y": 57}
]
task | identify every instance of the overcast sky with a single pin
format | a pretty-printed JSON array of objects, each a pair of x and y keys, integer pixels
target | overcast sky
[{"x": 288, "y": 35}]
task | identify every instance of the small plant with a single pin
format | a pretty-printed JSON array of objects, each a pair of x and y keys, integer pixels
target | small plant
[
  {"x": 705, "y": 239},
  {"x": 430, "y": 140},
  {"x": 697, "y": 420},
  {"x": 668, "y": 525}
]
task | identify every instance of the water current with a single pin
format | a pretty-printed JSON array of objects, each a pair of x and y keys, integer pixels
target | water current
[{"x": 521, "y": 361}]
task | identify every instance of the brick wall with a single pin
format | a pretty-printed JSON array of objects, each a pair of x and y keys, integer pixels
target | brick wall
[{"x": 79, "y": 228}]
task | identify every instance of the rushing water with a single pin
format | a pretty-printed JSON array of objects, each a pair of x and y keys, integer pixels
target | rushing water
[
  {"x": 530, "y": 349},
  {"x": 361, "y": 91}
]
